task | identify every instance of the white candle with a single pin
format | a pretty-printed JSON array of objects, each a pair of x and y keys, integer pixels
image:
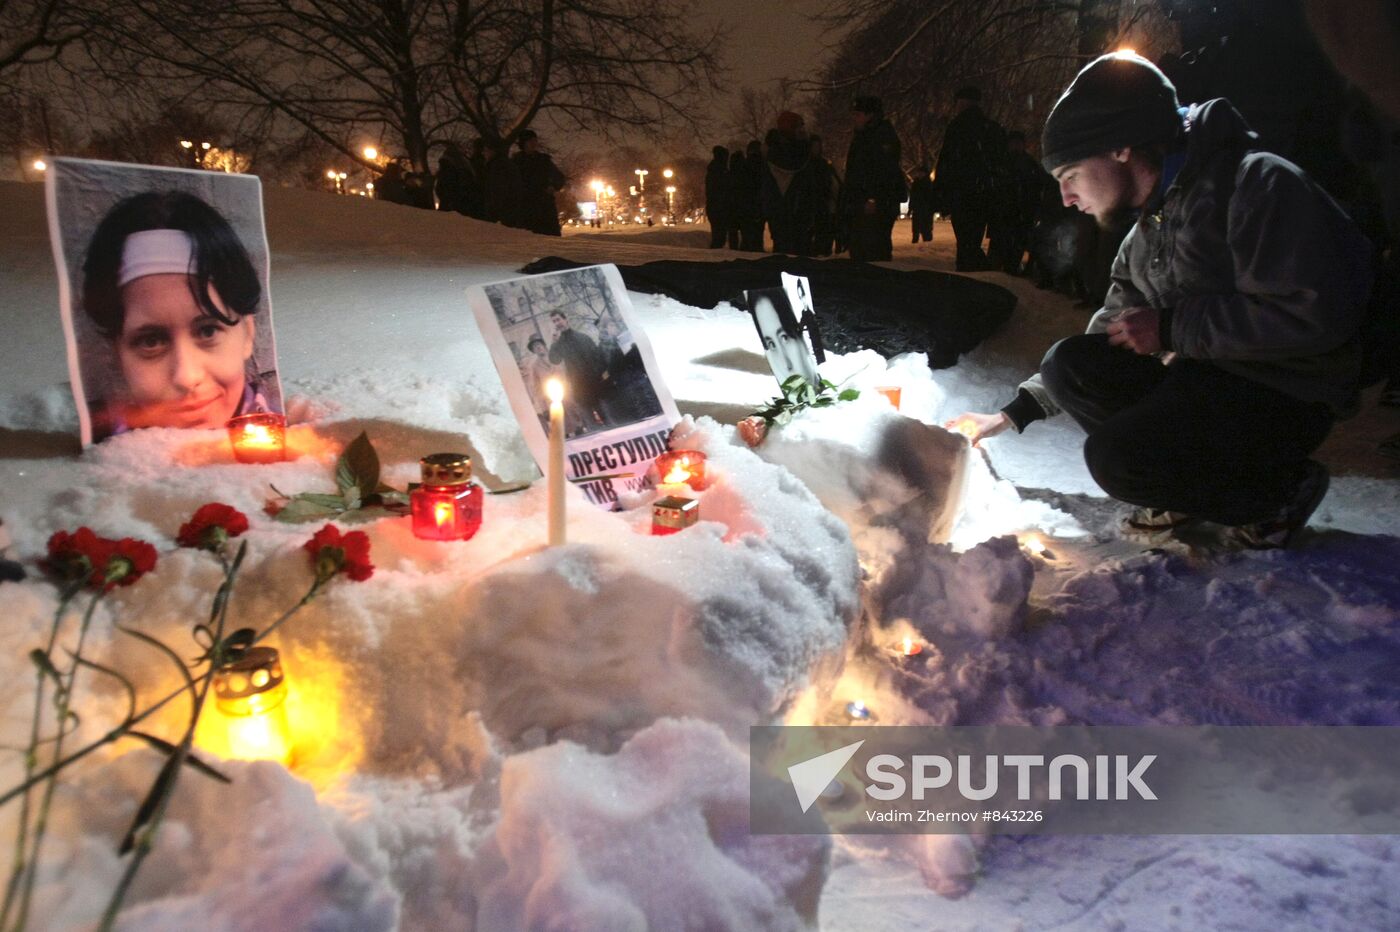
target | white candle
[{"x": 554, "y": 468}]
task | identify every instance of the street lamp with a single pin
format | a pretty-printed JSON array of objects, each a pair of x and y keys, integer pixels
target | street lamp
[
  {"x": 371, "y": 153},
  {"x": 641, "y": 174},
  {"x": 670, "y": 201},
  {"x": 40, "y": 165},
  {"x": 667, "y": 174}
]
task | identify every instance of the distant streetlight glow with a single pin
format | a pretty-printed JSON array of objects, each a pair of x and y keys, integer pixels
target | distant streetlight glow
[
  {"x": 330, "y": 173},
  {"x": 371, "y": 153},
  {"x": 205, "y": 146},
  {"x": 667, "y": 173},
  {"x": 186, "y": 144},
  {"x": 1126, "y": 53},
  {"x": 40, "y": 165}
]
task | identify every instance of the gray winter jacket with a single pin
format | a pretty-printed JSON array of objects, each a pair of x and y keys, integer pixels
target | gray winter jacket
[{"x": 1252, "y": 266}]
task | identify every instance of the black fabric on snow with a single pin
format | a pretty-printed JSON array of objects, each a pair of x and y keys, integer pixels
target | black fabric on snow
[{"x": 858, "y": 305}]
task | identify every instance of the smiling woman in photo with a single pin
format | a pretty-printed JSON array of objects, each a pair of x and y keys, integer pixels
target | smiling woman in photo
[{"x": 168, "y": 282}]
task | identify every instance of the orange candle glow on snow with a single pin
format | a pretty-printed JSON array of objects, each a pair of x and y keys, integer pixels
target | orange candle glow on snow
[
  {"x": 679, "y": 467},
  {"x": 1033, "y": 543},
  {"x": 966, "y": 427},
  {"x": 258, "y": 438},
  {"x": 892, "y": 392},
  {"x": 250, "y": 693}
]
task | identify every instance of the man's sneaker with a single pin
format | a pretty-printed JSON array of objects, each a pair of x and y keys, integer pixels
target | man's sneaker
[
  {"x": 1283, "y": 529},
  {"x": 1155, "y": 522}
]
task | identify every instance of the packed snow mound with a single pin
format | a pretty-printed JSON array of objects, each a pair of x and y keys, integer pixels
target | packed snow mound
[{"x": 652, "y": 837}]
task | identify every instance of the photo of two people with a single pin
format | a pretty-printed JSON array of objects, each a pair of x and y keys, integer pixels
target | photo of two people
[{"x": 569, "y": 327}]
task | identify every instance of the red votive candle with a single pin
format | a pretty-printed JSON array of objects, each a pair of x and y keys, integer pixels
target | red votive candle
[
  {"x": 447, "y": 506},
  {"x": 258, "y": 438},
  {"x": 682, "y": 466}
]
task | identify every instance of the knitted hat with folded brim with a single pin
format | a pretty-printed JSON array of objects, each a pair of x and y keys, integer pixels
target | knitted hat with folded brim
[{"x": 1117, "y": 101}]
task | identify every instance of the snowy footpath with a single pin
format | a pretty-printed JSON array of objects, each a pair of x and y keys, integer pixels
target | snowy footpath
[{"x": 497, "y": 735}]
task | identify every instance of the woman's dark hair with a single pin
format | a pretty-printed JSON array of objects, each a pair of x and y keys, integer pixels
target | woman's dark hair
[
  {"x": 219, "y": 257},
  {"x": 786, "y": 318},
  {"x": 530, "y": 343}
]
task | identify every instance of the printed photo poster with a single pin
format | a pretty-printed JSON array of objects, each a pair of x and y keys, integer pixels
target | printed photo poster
[
  {"x": 163, "y": 289},
  {"x": 577, "y": 325},
  {"x": 777, "y": 315}
]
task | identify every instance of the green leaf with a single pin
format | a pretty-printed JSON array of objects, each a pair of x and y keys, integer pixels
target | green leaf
[
  {"x": 850, "y": 394},
  {"x": 358, "y": 468},
  {"x": 301, "y": 509},
  {"x": 165, "y": 782},
  {"x": 168, "y": 749}
]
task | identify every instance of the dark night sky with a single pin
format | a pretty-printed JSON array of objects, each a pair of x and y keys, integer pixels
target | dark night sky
[{"x": 767, "y": 41}]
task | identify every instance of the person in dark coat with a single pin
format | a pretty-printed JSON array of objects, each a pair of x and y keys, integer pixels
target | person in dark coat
[
  {"x": 584, "y": 368},
  {"x": 458, "y": 186},
  {"x": 874, "y": 181},
  {"x": 501, "y": 200},
  {"x": 786, "y": 195},
  {"x": 1017, "y": 200},
  {"x": 390, "y": 186},
  {"x": 1240, "y": 272},
  {"x": 746, "y": 212},
  {"x": 737, "y": 170},
  {"x": 921, "y": 205},
  {"x": 717, "y": 197},
  {"x": 826, "y": 198},
  {"x": 969, "y": 166},
  {"x": 540, "y": 180}
]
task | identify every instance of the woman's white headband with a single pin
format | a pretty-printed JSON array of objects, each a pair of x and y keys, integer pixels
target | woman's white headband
[{"x": 156, "y": 252}]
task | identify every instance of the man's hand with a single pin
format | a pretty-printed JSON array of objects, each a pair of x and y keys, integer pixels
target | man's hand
[
  {"x": 978, "y": 427},
  {"x": 1137, "y": 329}
]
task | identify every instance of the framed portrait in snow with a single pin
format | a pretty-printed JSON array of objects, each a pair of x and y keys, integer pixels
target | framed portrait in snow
[
  {"x": 163, "y": 288},
  {"x": 778, "y": 316},
  {"x": 577, "y": 325}
]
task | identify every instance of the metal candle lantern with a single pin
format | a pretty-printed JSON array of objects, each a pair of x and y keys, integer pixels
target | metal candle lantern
[
  {"x": 258, "y": 438},
  {"x": 682, "y": 466},
  {"x": 673, "y": 513},
  {"x": 447, "y": 506},
  {"x": 251, "y": 694}
]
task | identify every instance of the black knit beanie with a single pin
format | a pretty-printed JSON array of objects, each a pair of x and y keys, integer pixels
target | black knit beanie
[{"x": 1118, "y": 100}]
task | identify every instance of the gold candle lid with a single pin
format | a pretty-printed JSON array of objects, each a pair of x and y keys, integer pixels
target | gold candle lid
[
  {"x": 259, "y": 670},
  {"x": 446, "y": 469},
  {"x": 675, "y": 511}
]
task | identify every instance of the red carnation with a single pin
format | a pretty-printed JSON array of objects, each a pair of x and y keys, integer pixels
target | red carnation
[
  {"x": 130, "y": 560},
  {"x": 103, "y": 563},
  {"x": 333, "y": 552},
  {"x": 211, "y": 527},
  {"x": 79, "y": 555}
]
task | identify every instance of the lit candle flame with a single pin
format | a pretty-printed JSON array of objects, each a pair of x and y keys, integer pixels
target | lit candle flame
[
  {"x": 966, "y": 427},
  {"x": 1033, "y": 543},
  {"x": 257, "y": 434},
  {"x": 912, "y": 647},
  {"x": 680, "y": 472},
  {"x": 554, "y": 389},
  {"x": 442, "y": 513}
]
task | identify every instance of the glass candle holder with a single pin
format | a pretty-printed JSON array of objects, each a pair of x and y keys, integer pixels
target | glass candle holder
[
  {"x": 682, "y": 466},
  {"x": 447, "y": 506},
  {"x": 258, "y": 438},
  {"x": 250, "y": 692},
  {"x": 673, "y": 513}
]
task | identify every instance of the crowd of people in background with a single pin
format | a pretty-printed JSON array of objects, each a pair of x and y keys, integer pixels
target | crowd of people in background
[
  {"x": 1005, "y": 209},
  {"x": 488, "y": 184}
]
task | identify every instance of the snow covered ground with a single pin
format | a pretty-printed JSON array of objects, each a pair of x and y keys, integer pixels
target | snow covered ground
[{"x": 493, "y": 735}]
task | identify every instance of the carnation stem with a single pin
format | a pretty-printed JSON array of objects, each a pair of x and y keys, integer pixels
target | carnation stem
[
  {"x": 63, "y": 703},
  {"x": 20, "y": 862}
]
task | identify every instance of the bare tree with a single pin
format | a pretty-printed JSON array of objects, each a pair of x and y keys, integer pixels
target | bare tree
[
  {"x": 424, "y": 72},
  {"x": 37, "y": 31},
  {"x": 1020, "y": 53}
]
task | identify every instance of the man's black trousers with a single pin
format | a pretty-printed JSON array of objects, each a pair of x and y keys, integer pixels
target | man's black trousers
[{"x": 1188, "y": 437}]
